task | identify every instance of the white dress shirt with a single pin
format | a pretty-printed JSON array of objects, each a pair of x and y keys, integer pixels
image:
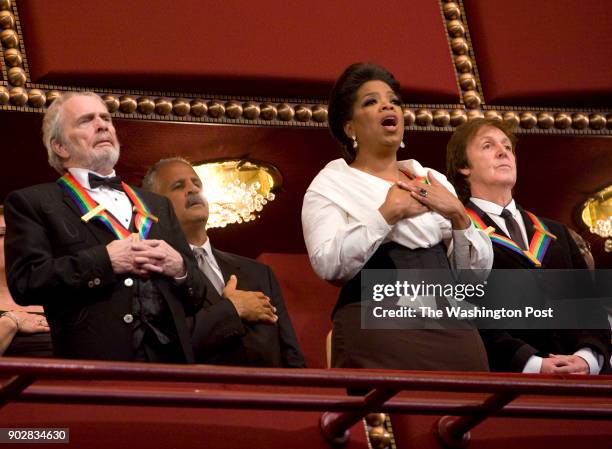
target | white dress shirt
[
  {"x": 207, "y": 247},
  {"x": 493, "y": 210},
  {"x": 114, "y": 201},
  {"x": 343, "y": 227}
]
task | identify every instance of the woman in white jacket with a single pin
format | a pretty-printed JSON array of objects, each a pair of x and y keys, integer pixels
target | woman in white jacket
[{"x": 370, "y": 211}]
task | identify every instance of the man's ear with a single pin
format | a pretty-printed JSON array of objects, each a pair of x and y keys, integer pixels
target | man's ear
[
  {"x": 348, "y": 129},
  {"x": 60, "y": 149}
]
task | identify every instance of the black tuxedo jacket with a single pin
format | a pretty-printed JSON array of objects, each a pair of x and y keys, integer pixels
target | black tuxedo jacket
[
  {"x": 220, "y": 337},
  {"x": 509, "y": 350},
  {"x": 55, "y": 259}
]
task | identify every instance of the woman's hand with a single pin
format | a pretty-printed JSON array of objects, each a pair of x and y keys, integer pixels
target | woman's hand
[
  {"x": 439, "y": 199},
  {"x": 400, "y": 204},
  {"x": 30, "y": 323}
]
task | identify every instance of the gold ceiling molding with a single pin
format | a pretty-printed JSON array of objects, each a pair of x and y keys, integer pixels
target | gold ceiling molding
[
  {"x": 15, "y": 67},
  {"x": 221, "y": 110},
  {"x": 18, "y": 93},
  {"x": 462, "y": 52},
  {"x": 553, "y": 120}
]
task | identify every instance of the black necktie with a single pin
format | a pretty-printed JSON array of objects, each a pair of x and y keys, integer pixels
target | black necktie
[
  {"x": 114, "y": 182},
  {"x": 513, "y": 228}
]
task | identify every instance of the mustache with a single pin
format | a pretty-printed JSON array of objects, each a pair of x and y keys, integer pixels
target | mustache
[
  {"x": 104, "y": 137},
  {"x": 193, "y": 199}
]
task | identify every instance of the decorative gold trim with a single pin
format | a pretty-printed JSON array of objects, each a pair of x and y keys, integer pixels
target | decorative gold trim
[
  {"x": 389, "y": 427},
  {"x": 4, "y": 95},
  {"x": 15, "y": 66},
  {"x": 379, "y": 431},
  {"x": 18, "y": 93},
  {"x": 299, "y": 113},
  {"x": 538, "y": 120},
  {"x": 462, "y": 52}
]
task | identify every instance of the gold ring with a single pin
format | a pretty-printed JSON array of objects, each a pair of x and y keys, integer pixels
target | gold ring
[{"x": 423, "y": 192}]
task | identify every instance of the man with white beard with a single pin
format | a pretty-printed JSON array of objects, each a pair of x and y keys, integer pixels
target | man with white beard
[{"x": 108, "y": 261}]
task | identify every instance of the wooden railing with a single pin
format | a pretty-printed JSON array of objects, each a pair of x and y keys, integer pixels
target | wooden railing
[{"x": 341, "y": 411}]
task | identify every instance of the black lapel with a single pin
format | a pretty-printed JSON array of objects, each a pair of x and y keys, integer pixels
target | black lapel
[
  {"x": 97, "y": 229},
  {"x": 154, "y": 233},
  {"x": 211, "y": 292},
  {"x": 227, "y": 268},
  {"x": 531, "y": 231},
  {"x": 528, "y": 223},
  {"x": 489, "y": 222}
]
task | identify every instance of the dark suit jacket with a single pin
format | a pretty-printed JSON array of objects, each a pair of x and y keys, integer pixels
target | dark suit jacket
[
  {"x": 220, "y": 337},
  {"x": 55, "y": 259},
  {"x": 509, "y": 350}
]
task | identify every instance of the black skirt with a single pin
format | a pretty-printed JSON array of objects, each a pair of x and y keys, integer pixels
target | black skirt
[{"x": 415, "y": 349}]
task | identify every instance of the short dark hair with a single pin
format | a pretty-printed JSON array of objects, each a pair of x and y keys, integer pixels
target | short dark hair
[
  {"x": 456, "y": 154},
  {"x": 344, "y": 94}
]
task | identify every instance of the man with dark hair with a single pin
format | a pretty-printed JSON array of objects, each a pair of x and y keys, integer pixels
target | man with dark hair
[
  {"x": 244, "y": 320},
  {"x": 481, "y": 163},
  {"x": 107, "y": 261}
]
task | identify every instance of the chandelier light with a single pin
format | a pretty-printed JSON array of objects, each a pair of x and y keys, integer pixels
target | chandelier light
[
  {"x": 597, "y": 215},
  {"x": 237, "y": 189}
]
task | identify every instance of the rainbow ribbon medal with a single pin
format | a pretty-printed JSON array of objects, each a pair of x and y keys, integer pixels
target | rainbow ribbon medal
[
  {"x": 143, "y": 220},
  {"x": 422, "y": 179},
  {"x": 537, "y": 247},
  {"x": 90, "y": 209},
  {"x": 541, "y": 238},
  {"x": 419, "y": 179}
]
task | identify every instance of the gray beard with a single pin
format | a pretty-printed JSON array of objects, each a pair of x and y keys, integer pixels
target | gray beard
[{"x": 96, "y": 161}]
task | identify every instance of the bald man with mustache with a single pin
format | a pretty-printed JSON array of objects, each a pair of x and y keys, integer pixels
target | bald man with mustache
[{"x": 244, "y": 320}]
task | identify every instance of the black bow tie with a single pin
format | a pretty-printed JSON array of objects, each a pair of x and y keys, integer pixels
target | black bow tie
[{"x": 114, "y": 182}]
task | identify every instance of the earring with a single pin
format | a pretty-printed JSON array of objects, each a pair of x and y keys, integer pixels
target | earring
[
  {"x": 402, "y": 144},
  {"x": 355, "y": 144}
]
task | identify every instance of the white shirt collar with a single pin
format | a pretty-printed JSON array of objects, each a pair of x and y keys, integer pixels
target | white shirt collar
[
  {"x": 493, "y": 208},
  {"x": 206, "y": 246},
  {"x": 82, "y": 176}
]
